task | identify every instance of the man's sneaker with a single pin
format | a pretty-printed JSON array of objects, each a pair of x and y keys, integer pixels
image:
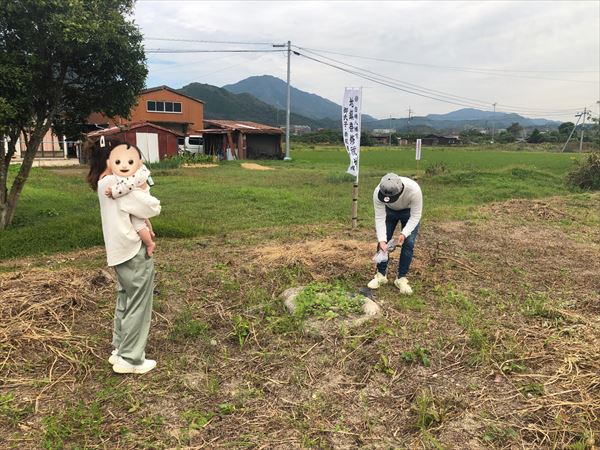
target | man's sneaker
[
  {"x": 402, "y": 285},
  {"x": 122, "y": 366},
  {"x": 114, "y": 356},
  {"x": 379, "y": 280}
]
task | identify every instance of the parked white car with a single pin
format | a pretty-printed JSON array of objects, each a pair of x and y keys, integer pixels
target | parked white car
[{"x": 191, "y": 144}]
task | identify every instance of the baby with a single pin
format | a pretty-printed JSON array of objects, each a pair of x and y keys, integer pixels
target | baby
[{"x": 126, "y": 164}]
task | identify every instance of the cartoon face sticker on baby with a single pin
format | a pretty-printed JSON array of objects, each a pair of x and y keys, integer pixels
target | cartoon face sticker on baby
[
  {"x": 131, "y": 175},
  {"x": 124, "y": 160}
]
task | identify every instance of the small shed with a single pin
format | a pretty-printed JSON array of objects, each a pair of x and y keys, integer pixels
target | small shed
[
  {"x": 155, "y": 142},
  {"x": 247, "y": 140}
]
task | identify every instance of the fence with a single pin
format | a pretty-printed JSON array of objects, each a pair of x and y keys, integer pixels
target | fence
[{"x": 53, "y": 149}]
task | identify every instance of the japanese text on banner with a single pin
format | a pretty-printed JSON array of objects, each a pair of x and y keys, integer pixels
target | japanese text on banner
[{"x": 351, "y": 126}]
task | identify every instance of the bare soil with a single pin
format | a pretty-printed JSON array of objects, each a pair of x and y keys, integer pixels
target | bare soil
[
  {"x": 254, "y": 166},
  {"x": 201, "y": 165},
  {"x": 506, "y": 311}
]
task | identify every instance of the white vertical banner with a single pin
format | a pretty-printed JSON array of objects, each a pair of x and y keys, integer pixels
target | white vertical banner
[
  {"x": 418, "y": 150},
  {"x": 351, "y": 126}
]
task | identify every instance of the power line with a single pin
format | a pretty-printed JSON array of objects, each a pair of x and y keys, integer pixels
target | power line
[
  {"x": 206, "y": 41},
  {"x": 379, "y": 81},
  {"x": 225, "y": 68},
  {"x": 476, "y": 102},
  {"x": 186, "y": 63},
  {"x": 366, "y": 74},
  {"x": 495, "y": 72},
  {"x": 160, "y": 50},
  {"x": 421, "y": 91}
]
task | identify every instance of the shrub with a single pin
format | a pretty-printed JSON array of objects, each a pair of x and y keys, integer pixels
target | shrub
[
  {"x": 339, "y": 177},
  {"x": 586, "y": 174},
  {"x": 436, "y": 169},
  {"x": 173, "y": 162}
]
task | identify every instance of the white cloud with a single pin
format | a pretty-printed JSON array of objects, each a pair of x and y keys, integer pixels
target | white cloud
[{"x": 546, "y": 38}]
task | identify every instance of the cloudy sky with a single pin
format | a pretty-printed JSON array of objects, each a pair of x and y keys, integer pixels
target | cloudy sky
[{"x": 536, "y": 58}]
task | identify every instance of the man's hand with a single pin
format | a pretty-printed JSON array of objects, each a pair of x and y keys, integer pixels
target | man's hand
[
  {"x": 108, "y": 192},
  {"x": 383, "y": 246},
  {"x": 400, "y": 239}
]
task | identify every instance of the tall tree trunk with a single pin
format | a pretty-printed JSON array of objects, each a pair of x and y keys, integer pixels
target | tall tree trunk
[
  {"x": 4, "y": 164},
  {"x": 8, "y": 202}
]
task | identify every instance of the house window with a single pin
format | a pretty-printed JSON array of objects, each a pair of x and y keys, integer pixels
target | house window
[{"x": 168, "y": 107}]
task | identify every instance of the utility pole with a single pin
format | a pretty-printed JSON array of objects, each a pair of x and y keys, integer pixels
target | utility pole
[
  {"x": 598, "y": 135},
  {"x": 410, "y": 111},
  {"x": 582, "y": 128},
  {"x": 598, "y": 103},
  {"x": 390, "y": 133},
  {"x": 287, "y": 113},
  {"x": 572, "y": 131},
  {"x": 494, "y": 122}
]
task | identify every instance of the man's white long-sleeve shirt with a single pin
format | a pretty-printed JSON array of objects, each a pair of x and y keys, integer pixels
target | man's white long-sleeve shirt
[
  {"x": 120, "y": 238},
  {"x": 411, "y": 198}
]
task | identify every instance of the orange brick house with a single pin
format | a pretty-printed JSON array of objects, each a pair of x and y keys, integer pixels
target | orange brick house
[{"x": 162, "y": 106}]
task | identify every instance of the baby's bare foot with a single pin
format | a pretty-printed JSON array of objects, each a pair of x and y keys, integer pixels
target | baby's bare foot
[{"x": 150, "y": 248}]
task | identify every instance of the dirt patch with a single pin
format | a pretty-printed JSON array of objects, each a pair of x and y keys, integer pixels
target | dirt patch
[
  {"x": 202, "y": 166},
  {"x": 254, "y": 166},
  {"x": 531, "y": 209}
]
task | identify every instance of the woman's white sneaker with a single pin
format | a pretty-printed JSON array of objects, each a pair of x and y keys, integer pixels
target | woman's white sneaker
[
  {"x": 122, "y": 366},
  {"x": 113, "y": 358},
  {"x": 379, "y": 280},
  {"x": 403, "y": 286}
]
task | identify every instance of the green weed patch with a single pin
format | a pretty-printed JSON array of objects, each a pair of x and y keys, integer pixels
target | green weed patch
[{"x": 327, "y": 301}]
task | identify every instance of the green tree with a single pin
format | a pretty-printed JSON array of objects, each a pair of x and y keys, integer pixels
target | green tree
[
  {"x": 515, "y": 129},
  {"x": 60, "y": 60},
  {"x": 366, "y": 140},
  {"x": 552, "y": 136},
  {"x": 472, "y": 136},
  {"x": 504, "y": 137},
  {"x": 565, "y": 128},
  {"x": 595, "y": 134},
  {"x": 535, "y": 137}
]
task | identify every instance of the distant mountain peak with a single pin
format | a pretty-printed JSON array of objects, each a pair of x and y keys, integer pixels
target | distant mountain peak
[
  {"x": 273, "y": 91},
  {"x": 222, "y": 104}
]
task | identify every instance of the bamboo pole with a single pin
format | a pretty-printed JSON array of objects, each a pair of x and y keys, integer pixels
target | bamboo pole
[{"x": 355, "y": 203}]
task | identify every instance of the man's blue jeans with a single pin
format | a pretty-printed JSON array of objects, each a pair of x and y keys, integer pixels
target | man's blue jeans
[{"x": 392, "y": 217}]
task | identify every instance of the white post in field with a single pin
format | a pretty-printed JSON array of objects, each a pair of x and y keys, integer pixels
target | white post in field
[
  {"x": 351, "y": 125},
  {"x": 418, "y": 153}
]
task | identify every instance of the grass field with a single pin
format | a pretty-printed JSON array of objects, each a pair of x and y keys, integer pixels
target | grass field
[
  {"x": 58, "y": 212},
  {"x": 499, "y": 347}
]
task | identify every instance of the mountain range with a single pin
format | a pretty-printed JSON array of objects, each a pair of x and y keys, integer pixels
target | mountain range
[
  {"x": 221, "y": 104},
  {"x": 273, "y": 91},
  {"x": 263, "y": 98}
]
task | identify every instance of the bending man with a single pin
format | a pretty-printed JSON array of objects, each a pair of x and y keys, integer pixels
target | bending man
[{"x": 396, "y": 199}]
